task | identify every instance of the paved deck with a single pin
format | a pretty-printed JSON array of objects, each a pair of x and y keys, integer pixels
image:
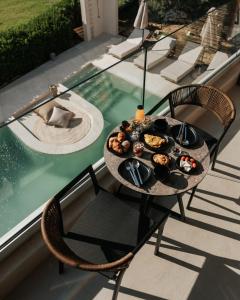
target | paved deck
[
  {"x": 198, "y": 259},
  {"x": 36, "y": 82}
]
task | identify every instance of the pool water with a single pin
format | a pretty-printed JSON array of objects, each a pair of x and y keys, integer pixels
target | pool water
[{"x": 29, "y": 178}]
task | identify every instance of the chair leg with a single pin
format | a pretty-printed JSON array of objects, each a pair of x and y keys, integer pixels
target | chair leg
[
  {"x": 191, "y": 197},
  {"x": 181, "y": 207},
  {"x": 118, "y": 283},
  {"x": 214, "y": 158},
  {"x": 159, "y": 237},
  {"x": 60, "y": 267}
]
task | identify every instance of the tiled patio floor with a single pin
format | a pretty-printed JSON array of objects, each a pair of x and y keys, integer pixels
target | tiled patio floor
[{"x": 198, "y": 259}]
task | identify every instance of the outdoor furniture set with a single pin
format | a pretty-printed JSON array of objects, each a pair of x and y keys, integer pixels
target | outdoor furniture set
[
  {"x": 152, "y": 156},
  {"x": 178, "y": 69}
]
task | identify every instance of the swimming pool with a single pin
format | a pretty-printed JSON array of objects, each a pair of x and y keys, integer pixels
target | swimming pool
[{"x": 29, "y": 178}]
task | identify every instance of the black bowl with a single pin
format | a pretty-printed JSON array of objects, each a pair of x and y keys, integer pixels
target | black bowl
[
  {"x": 161, "y": 172},
  {"x": 161, "y": 125},
  {"x": 157, "y": 164}
]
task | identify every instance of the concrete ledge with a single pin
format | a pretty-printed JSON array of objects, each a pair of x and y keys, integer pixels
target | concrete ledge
[{"x": 23, "y": 129}]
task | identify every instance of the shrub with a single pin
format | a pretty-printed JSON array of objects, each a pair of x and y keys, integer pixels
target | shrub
[{"x": 27, "y": 46}]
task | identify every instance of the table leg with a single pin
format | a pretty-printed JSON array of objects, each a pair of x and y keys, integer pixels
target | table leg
[
  {"x": 144, "y": 221},
  {"x": 181, "y": 207}
]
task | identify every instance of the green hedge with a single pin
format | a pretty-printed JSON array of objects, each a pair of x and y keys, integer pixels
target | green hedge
[{"x": 27, "y": 46}]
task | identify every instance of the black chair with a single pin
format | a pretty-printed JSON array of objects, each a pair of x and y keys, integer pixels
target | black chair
[
  {"x": 109, "y": 232},
  {"x": 212, "y": 101}
]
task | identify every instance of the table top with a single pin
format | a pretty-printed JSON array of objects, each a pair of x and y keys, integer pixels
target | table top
[{"x": 177, "y": 183}]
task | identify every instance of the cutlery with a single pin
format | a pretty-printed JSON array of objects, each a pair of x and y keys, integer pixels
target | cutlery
[
  {"x": 180, "y": 134},
  {"x": 134, "y": 173},
  {"x": 185, "y": 141},
  {"x": 129, "y": 169},
  {"x": 136, "y": 165}
]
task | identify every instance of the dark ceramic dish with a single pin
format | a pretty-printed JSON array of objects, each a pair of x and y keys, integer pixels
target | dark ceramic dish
[
  {"x": 114, "y": 152},
  {"x": 192, "y": 136},
  {"x": 161, "y": 172},
  {"x": 161, "y": 125},
  {"x": 157, "y": 164},
  {"x": 192, "y": 171},
  {"x": 156, "y": 133},
  {"x": 144, "y": 170}
]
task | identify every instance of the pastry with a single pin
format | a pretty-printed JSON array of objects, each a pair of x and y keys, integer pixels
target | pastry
[
  {"x": 154, "y": 141},
  {"x": 125, "y": 144},
  {"x": 121, "y": 136},
  {"x": 110, "y": 141},
  {"x": 161, "y": 159}
]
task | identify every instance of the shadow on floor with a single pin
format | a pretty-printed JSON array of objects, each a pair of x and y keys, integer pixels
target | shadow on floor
[{"x": 218, "y": 277}]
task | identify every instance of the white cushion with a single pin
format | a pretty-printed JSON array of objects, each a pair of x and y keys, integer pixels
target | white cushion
[
  {"x": 123, "y": 49},
  {"x": 45, "y": 111},
  {"x": 60, "y": 117},
  {"x": 191, "y": 53},
  {"x": 136, "y": 36},
  {"x": 176, "y": 71},
  {"x": 153, "y": 58},
  {"x": 165, "y": 44},
  {"x": 218, "y": 58}
]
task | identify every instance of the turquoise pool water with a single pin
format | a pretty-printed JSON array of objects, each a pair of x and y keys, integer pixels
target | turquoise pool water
[{"x": 29, "y": 178}]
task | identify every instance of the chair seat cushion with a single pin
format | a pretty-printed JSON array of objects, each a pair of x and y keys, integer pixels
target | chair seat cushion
[{"x": 109, "y": 229}]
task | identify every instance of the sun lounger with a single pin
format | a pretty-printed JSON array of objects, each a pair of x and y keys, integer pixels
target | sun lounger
[
  {"x": 158, "y": 53},
  {"x": 184, "y": 64},
  {"x": 131, "y": 44},
  {"x": 218, "y": 59}
]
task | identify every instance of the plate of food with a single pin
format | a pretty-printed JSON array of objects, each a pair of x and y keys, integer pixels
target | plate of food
[
  {"x": 187, "y": 164},
  {"x": 118, "y": 143},
  {"x": 154, "y": 140},
  {"x": 160, "y": 159}
]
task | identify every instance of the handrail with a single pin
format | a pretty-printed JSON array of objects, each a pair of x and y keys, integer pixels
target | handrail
[{"x": 145, "y": 45}]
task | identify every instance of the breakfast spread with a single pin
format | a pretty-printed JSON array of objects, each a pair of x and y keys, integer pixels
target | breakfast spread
[
  {"x": 154, "y": 141},
  {"x": 161, "y": 159},
  {"x": 118, "y": 143}
]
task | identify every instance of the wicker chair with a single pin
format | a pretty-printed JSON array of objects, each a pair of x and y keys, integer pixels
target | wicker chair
[
  {"x": 110, "y": 231},
  {"x": 214, "y": 101}
]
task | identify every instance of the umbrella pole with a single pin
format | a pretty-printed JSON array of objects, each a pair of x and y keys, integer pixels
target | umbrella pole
[{"x": 144, "y": 74}]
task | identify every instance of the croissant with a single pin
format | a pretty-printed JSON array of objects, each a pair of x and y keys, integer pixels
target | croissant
[
  {"x": 117, "y": 147},
  {"x": 110, "y": 141},
  {"x": 121, "y": 136}
]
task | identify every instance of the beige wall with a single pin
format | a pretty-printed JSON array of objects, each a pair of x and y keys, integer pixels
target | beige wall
[{"x": 99, "y": 16}]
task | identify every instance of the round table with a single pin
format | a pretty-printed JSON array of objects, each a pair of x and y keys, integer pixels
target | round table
[{"x": 177, "y": 183}]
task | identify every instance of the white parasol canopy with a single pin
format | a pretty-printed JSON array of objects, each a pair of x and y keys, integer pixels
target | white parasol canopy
[
  {"x": 141, "y": 20},
  {"x": 209, "y": 33}
]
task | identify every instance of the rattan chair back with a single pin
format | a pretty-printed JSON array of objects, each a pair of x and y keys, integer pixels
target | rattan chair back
[{"x": 208, "y": 97}]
